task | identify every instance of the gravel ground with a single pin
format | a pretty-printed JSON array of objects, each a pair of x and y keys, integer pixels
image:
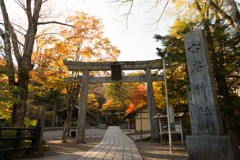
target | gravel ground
[
  {"x": 148, "y": 149},
  {"x": 154, "y": 150}
]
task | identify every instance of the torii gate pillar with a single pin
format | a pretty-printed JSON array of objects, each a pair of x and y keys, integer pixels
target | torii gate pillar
[
  {"x": 151, "y": 107},
  {"x": 82, "y": 108}
]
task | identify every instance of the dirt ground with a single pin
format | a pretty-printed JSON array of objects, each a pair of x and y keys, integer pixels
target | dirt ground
[
  {"x": 155, "y": 150},
  {"x": 148, "y": 149}
]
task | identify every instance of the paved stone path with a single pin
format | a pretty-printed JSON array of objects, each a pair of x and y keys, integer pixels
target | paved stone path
[{"x": 114, "y": 145}]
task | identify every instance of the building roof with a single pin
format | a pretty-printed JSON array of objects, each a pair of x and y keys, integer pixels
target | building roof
[
  {"x": 142, "y": 108},
  {"x": 63, "y": 113},
  {"x": 161, "y": 116}
]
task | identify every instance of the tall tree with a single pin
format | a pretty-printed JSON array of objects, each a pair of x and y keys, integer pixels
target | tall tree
[
  {"x": 22, "y": 53},
  {"x": 84, "y": 41},
  {"x": 222, "y": 41}
]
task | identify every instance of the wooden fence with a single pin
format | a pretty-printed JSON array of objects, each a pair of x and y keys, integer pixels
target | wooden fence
[{"x": 15, "y": 143}]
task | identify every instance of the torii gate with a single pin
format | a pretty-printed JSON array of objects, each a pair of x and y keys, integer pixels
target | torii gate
[{"x": 116, "y": 76}]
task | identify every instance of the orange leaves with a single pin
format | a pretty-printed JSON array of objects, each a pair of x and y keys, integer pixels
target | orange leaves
[
  {"x": 86, "y": 39},
  {"x": 2, "y": 62},
  {"x": 110, "y": 104},
  {"x": 82, "y": 42},
  {"x": 131, "y": 108},
  {"x": 139, "y": 97}
]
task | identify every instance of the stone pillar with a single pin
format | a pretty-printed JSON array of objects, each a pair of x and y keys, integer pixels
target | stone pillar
[
  {"x": 206, "y": 141},
  {"x": 151, "y": 107},
  {"x": 42, "y": 122},
  {"x": 82, "y": 108}
]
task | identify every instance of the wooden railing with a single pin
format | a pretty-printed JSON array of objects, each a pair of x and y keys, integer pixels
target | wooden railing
[{"x": 21, "y": 134}]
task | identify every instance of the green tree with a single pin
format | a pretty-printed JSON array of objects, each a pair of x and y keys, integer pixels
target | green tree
[
  {"x": 176, "y": 66},
  {"x": 222, "y": 41},
  {"x": 116, "y": 96}
]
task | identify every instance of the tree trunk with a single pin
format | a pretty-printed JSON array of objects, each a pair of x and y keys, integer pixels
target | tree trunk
[
  {"x": 54, "y": 112},
  {"x": 42, "y": 115},
  {"x": 66, "y": 127},
  {"x": 233, "y": 12},
  {"x": 19, "y": 107},
  {"x": 233, "y": 18}
]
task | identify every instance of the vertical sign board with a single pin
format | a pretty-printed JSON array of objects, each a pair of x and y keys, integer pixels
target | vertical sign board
[
  {"x": 116, "y": 72},
  {"x": 205, "y": 111},
  {"x": 207, "y": 141}
]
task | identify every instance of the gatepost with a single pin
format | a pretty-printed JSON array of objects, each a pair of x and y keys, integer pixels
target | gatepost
[{"x": 207, "y": 140}]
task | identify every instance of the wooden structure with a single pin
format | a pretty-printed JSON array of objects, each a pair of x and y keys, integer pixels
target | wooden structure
[
  {"x": 21, "y": 134},
  {"x": 116, "y": 69},
  {"x": 176, "y": 127},
  {"x": 62, "y": 115},
  {"x": 139, "y": 119}
]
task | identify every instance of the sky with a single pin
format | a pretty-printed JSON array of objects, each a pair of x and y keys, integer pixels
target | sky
[{"x": 134, "y": 37}]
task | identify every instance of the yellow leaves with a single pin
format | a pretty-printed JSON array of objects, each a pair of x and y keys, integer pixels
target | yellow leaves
[
  {"x": 36, "y": 76},
  {"x": 61, "y": 48},
  {"x": 177, "y": 28},
  {"x": 180, "y": 4},
  {"x": 92, "y": 103},
  {"x": 6, "y": 101},
  {"x": 83, "y": 42}
]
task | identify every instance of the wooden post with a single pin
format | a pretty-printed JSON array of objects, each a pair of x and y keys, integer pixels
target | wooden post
[
  {"x": 54, "y": 112},
  {"x": 37, "y": 135},
  {"x": 82, "y": 108},
  {"x": 18, "y": 136},
  {"x": 41, "y": 123},
  {"x": 151, "y": 107},
  {"x": 0, "y": 131},
  {"x": 160, "y": 126},
  {"x": 181, "y": 130}
]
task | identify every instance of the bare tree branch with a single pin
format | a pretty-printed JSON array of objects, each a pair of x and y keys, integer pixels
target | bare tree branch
[
  {"x": 29, "y": 11},
  {"x": 129, "y": 10},
  {"x": 18, "y": 2},
  {"x": 7, "y": 44},
  {"x": 49, "y": 22},
  {"x": 161, "y": 15},
  {"x": 45, "y": 34}
]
